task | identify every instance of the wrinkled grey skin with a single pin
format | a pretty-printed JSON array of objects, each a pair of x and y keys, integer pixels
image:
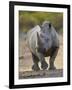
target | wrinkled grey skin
[{"x": 43, "y": 41}]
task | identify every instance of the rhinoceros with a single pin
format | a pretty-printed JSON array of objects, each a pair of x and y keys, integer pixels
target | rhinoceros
[{"x": 43, "y": 41}]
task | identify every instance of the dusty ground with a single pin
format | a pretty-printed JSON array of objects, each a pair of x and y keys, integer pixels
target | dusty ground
[
  {"x": 25, "y": 62},
  {"x": 41, "y": 74}
]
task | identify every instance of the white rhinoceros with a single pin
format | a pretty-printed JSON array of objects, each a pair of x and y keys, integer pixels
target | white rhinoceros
[{"x": 43, "y": 41}]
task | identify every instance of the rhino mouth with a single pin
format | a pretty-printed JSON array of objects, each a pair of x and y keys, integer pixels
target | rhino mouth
[
  {"x": 45, "y": 52},
  {"x": 42, "y": 50}
]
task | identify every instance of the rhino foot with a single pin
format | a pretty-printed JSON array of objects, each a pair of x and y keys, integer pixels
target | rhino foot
[
  {"x": 35, "y": 67},
  {"x": 44, "y": 65},
  {"x": 52, "y": 68}
]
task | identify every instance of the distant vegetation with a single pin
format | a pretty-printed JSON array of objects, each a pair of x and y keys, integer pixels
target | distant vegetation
[{"x": 28, "y": 20}]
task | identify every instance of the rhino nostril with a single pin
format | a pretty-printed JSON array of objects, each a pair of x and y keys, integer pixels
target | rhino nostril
[{"x": 46, "y": 40}]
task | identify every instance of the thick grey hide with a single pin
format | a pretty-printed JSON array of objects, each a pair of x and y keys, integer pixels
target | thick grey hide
[{"x": 48, "y": 37}]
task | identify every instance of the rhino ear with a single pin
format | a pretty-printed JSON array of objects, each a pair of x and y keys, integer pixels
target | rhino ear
[{"x": 49, "y": 25}]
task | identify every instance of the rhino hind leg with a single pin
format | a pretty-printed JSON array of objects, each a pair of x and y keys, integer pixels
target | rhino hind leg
[
  {"x": 52, "y": 58},
  {"x": 35, "y": 66}
]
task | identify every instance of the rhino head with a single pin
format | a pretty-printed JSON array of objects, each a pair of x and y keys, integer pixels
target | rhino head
[
  {"x": 44, "y": 38},
  {"x": 46, "y": 24}
]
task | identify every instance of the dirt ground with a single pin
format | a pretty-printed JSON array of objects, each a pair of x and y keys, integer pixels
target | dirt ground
[{"x": 25, "y": 59}]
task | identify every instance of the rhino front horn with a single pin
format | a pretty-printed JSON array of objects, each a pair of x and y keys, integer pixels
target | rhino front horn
[{"x": 38, "y": 39}]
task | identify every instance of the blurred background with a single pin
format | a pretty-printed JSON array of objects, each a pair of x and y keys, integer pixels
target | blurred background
[{"x": 29, "y": 19}]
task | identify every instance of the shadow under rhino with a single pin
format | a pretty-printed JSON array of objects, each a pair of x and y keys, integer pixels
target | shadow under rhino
[{"x": 41, "y": 74}]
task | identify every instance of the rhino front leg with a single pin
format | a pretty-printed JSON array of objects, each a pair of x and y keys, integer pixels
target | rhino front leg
[
  {"x": 35, "y": 66},
  {"x": 52, "y": 58},
  {"x": 44, "y": 64}
]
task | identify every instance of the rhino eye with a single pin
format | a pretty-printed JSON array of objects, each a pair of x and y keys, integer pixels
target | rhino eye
[{"x": 43, "y": 30}]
